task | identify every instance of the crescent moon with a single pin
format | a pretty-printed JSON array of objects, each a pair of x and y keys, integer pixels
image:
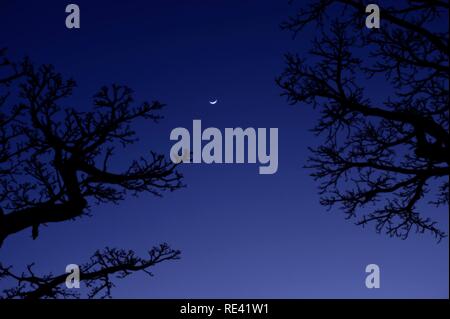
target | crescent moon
[{"x": 213, "y": 102}]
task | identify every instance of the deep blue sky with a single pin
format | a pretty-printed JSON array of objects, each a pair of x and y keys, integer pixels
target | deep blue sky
[{"x": 241, "y": 234}]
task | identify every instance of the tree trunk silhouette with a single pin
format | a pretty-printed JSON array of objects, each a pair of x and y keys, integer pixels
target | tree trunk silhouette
[{"x": 55, "y": 165}]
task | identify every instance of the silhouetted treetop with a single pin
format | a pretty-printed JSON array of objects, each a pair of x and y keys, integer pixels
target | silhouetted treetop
[
  {"x": 383, "y": 98},
  {"x": 55, "y": 160}
]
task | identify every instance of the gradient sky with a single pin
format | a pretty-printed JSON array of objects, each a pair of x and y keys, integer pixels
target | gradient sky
[{"x": 242, "y": 235}]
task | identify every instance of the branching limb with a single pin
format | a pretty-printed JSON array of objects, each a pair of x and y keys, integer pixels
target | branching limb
[{"x": 96, "y": 274}]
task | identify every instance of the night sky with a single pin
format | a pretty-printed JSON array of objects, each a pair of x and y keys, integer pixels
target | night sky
[{"x": 242, "y": 234}]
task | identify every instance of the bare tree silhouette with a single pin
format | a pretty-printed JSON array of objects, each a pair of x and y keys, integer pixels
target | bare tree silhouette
[
  {"x": 385, "y": 153},
  {"x": 96, "y": 274},
  {"x": 55, "y": 166}
]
